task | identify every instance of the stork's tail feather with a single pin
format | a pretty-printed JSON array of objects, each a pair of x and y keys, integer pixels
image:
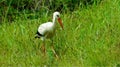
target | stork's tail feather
[{"x": 38, "y": 35}]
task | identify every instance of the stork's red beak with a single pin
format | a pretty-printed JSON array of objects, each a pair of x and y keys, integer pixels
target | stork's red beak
[{"x": 60, "y": 22}]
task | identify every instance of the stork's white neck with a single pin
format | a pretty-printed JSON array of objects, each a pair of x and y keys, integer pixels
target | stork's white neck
[{"x": 54, "y": 23}]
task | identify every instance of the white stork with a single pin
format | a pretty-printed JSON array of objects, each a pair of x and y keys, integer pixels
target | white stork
[{"x": 47, "y": 30}]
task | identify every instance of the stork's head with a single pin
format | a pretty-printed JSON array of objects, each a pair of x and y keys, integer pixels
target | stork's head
[{"x": 56, "y": 15}]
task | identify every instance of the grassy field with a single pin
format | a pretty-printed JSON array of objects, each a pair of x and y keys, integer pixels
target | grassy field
[{"x": 91, "y": 38}]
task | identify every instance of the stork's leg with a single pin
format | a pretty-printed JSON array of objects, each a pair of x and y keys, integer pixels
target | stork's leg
[
  {"x": 43, "y": 48},
  {"x": 52, "y": 47}
]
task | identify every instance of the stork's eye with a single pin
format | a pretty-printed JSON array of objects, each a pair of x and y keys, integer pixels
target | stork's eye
[{"x": 57, "y": 15}]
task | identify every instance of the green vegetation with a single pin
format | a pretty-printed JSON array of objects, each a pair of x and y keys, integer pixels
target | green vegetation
[{"x": 91, "y": 38}]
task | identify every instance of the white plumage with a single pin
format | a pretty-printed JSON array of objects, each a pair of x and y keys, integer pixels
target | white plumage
[{"x": 46, "y": 29}]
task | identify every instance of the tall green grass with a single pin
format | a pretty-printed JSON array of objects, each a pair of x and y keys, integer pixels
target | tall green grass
[{"x": 91, "y": 38}]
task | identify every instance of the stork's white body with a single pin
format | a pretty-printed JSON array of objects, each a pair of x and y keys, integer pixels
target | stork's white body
[{"x": 47, "y": 29}]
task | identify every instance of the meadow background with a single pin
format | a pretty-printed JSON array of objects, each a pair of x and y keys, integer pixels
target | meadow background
[{"x": 91, "y": 35}]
